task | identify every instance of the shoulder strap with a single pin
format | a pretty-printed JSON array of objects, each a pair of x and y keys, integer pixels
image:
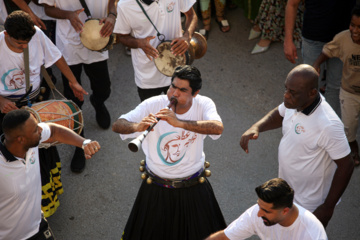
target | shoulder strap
[
  {"x": 160, "y": 36},
  {"x": 86, "y": 9}
]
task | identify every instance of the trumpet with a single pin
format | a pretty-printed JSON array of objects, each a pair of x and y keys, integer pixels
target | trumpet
[{"x": 135, "y": 144}]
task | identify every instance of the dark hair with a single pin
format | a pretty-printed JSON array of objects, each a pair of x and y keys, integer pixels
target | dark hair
[
  {"x": 20, "y": 26},
  {"x": 276, "y": 191},
  {"x": 356, "y": 11},
  {"x": 14, "y": 119},
  {"x": 192, "y": 74}
]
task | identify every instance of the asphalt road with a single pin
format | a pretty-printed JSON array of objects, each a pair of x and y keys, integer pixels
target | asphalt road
[{"x": 96, "y": 203}]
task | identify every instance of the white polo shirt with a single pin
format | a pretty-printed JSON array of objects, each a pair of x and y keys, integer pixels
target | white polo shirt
[
  {"x": 165, "y": 15},
  {"x": 307, "y": 151},
  {"x": 20, "y": 195}
]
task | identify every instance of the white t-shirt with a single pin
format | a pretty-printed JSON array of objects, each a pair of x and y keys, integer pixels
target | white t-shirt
[
  {"x": 173, "y": 152},
  {"x": 307, "y": 149},
  {"x": 39, "y": 11},
  {"x": 20, "y": 195},
  {"x": 165, "y": 14},
  {"x": 68, "y": 40},
  {"x": 305, "y": 227},
  {"x": 12, "y": 70},
  {"x": 3, "y": 12}
]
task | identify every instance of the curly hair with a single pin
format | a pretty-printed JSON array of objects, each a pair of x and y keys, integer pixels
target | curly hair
[{"x": 20, "y": 26}]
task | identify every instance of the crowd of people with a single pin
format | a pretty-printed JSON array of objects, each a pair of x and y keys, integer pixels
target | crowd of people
[{"x": 316, "y": 155}]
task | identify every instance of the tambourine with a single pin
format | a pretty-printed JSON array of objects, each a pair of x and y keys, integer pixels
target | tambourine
[
  {"x": 167, "y": 62},
  {"x": 90, "y": 36}
]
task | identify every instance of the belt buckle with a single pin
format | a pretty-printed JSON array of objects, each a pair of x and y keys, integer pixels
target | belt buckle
[{"x": 175, "y": 184}]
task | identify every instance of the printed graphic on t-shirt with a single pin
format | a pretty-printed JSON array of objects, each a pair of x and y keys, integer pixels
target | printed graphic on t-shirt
[
  {"x": 172, "y": 146},
  {"x": 354, "y": 60},
  {"x": 170, "y": 7},
  {"x": 13, "y": 80}
]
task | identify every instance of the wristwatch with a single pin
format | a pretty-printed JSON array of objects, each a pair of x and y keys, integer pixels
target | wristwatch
[{"x": 85, "y": 142}]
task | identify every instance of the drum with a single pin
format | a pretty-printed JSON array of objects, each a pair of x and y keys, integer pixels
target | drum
[
  {"x": 91, "y": 38},
  {"x": 63, "y": 112},
  {"x": 167, "y": 62}
]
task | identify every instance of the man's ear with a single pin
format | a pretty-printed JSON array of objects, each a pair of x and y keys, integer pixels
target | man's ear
[
  {"x": 196, "y": 93},
  {"x": 20, "y": 139},
  {"x": 313, "y": 92},
  {"x": 285, "y": 211}
]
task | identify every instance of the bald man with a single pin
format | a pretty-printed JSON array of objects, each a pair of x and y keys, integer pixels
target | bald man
[{"x": 314, "y": 156}]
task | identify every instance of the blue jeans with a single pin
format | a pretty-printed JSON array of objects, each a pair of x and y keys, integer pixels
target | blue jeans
[{"x": 310, "y": 52}]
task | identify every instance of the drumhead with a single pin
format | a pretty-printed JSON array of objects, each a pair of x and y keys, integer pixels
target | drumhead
[
  {"x": 90, "y": 36},
  {"x": 167, "y": 62}
]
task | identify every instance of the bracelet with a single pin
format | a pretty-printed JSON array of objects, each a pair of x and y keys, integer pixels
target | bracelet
[{"x": 115, "y": 15}]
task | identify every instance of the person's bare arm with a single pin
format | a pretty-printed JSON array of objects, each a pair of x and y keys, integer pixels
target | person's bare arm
[
  {"x": 181, "y": 45},
  {"x": 143, "y": 43},
  {"x": 6, "y": 105},
  {"x": 72, "y": 16},
  {"x": 23, "y": 6},
  {"x": 65, "y": 135},
  {"x": 322, "y": 58},
  {"x": 109, "y": 21},
  {"x": 270, "y": 121},
  {"x": 345, "y": 167},
  {"x": 123, "y": 126},
  {"x": 211, "y": 127},
  {"x": 75, "y": 86},
  {"x": 290, "y": 50}
]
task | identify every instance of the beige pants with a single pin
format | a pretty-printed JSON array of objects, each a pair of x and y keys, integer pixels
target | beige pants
[{"x": 350, "y": 110}]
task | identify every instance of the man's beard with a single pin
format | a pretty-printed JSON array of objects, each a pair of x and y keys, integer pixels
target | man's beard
[{"x": 268, "y": 222}]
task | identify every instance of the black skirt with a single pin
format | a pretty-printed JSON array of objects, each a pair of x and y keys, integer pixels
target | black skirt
[{"x": 183, "y": 213}]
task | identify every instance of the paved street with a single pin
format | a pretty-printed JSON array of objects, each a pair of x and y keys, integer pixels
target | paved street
[{"x": 96, "y": 203}]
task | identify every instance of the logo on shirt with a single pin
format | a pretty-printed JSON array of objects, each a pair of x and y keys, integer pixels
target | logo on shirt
[
  {"x": 32, "y": 158},
  {"x": 13, "y": 80},
  {"x": 170, "y": 7},
  {"x": 354, "y": 60},
  {"x": 299, "y": 129},
  {"x": 172, "y": 146}
]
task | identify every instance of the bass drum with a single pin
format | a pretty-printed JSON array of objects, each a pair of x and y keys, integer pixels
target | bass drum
[
  {"x": 167, "y": 62},
  {"x": 63, "y": 112}
]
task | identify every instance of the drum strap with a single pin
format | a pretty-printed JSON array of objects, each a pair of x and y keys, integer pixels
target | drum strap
[
  {"x": 27, "y": 74},
  {"x": 86, "y": 9},
  {"x": 47, "y": 77},
  {"x": 160, "y": 36}
]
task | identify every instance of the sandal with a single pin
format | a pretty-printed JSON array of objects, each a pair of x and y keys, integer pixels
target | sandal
[
  {"x": 223, "y": 24},
  {"x": 205, "y": 33}
]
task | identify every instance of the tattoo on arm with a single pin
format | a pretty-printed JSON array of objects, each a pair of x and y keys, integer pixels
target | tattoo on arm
[
  {"x": 124, "y": 127},
  {"x": 204, "y": 127}
]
